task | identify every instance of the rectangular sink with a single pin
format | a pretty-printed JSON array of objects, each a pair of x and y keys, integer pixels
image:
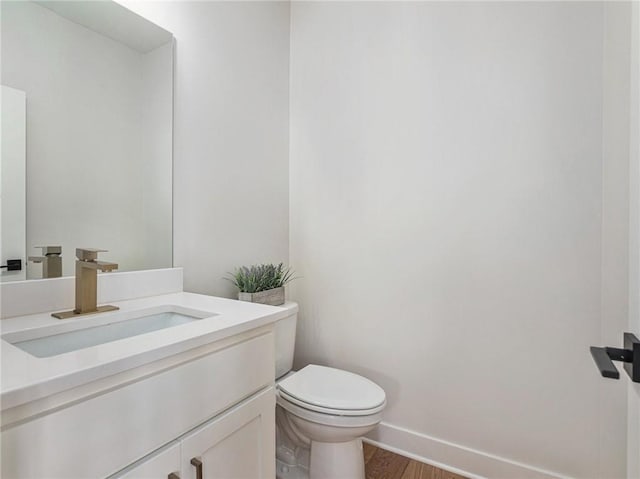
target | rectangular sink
[{"x": 63, "y": 338}]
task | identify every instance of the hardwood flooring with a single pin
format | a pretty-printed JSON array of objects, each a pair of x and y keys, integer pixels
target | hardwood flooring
[{"x": 382, "y": 464}]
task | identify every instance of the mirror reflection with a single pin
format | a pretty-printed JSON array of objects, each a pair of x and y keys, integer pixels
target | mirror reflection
[{"x": 94, "y": 136}]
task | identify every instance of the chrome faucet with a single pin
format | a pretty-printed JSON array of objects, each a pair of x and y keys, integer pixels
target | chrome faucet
[
  {"x": 87, "y": 267},
  {"x": 51, "y": 261}
]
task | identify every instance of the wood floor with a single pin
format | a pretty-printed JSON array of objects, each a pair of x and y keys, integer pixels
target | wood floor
[{"x": 381, "y": 464}]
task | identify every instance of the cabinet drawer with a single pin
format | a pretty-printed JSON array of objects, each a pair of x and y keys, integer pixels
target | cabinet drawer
[{"x": 102, "y": 435}]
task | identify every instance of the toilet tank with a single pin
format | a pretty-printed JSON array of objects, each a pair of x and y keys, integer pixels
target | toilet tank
[{"x": 285, "y": 339}]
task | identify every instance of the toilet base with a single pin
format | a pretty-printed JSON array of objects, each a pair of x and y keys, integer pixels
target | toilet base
[
  {"x": 330, "y": 460},
  {"x": 292, "y": 462},
  {"x": 290, "y": 471}
]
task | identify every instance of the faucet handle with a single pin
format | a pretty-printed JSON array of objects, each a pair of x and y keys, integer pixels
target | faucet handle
[
  {"x": 88, "y": 254},
  {"x": 47, "y": 250}
]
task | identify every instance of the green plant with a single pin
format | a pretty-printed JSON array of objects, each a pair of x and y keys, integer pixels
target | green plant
[{"x": 261, "y": 277}]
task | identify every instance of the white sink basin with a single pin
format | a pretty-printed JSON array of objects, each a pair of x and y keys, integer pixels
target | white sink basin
[{"x": 100, "y": 329}]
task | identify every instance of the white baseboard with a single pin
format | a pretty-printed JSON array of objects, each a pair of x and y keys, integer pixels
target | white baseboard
[{"x": 461, "y": 460}]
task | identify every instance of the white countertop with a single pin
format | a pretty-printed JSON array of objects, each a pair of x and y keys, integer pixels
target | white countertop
[{"x": 27, "y": 378}]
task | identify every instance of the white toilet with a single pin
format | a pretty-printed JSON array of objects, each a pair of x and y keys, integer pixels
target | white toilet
[{"x": 321, "y": 415}]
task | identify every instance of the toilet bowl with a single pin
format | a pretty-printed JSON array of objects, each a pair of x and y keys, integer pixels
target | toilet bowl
[{"x": 326, "y": 411}]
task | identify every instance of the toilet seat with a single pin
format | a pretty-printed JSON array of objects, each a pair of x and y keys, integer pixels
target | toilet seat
[
  {"x": 324, "y": 410},
  {"x": 325, "y": 418},
  {"x": 332, "y": 391}
]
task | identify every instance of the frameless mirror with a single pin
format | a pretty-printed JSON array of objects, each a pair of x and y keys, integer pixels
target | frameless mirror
[{"x": 97, "y": 147}]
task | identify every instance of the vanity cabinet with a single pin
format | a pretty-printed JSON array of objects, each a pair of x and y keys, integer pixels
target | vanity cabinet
[{"x": 215, "y": 403}]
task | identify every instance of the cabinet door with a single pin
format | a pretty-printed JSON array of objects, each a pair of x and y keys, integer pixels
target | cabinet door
[
  {"x": 239, "y": 444},
  {"x": 159, "y": 465}
]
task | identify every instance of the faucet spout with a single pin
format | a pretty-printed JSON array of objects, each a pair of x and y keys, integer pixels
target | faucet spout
[{"x": 103, "y": 266}]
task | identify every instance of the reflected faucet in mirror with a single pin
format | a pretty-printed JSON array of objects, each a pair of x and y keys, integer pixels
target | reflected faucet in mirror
[
  {"x": 51, "y": 261},
  {"x": 87, "y": 267}
]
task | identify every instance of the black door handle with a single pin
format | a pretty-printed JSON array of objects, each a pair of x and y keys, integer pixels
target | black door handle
[
  {"x": 629, "y": 355},
  {"x": 13, "y": 265}
]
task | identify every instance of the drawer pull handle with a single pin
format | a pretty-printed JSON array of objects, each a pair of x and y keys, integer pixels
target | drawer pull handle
[
  {"x": 198, "y": 465},
  {"x": 173, "y": 475}
]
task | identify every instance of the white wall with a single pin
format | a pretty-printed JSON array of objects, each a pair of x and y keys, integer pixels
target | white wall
[
  {"x": 12, "y": 180},
  {"x": 230, "y": 135},
  {"x": 633, "y": 434},
  {"x": 87, "y": 184},
  {"x": 615, "y": 224},
  {"x": 446, "y": 218}
]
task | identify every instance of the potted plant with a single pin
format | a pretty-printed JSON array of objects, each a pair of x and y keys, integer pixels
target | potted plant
[{"x": 262, "y": 283}]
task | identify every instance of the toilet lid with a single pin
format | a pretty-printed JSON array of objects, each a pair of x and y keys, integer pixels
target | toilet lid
[{"x": 330, "y": 388}]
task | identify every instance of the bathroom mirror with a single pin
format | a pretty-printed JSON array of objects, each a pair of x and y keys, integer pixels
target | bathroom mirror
[{"x": 98, "y": 83}]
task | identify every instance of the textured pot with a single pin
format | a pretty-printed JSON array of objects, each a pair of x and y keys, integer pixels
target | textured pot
[{"x": 274, "y": 297}]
